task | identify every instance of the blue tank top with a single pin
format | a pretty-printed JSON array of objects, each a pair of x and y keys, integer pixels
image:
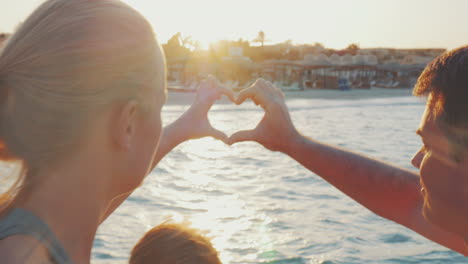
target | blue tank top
[{"x": 22, "y": 222}]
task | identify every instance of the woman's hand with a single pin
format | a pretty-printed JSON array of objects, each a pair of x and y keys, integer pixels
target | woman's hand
[
  {"x": 275, "y": 131},
  {"x": 194, "y": 122}
]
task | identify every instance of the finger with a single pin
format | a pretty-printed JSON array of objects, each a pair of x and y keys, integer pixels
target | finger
[
  {"x": 260, "y": 89},
  {"x": 204, "y": 82},
  {"x": 255, "y": 99},
  {"x": 215, "y": 133},
  {"x": 260, "y": 81},
  {"x": 244, "y": 94},
  {"x": 208, "y": 92},
  {"x": 209, "y": 82},
  {"x": 224, "y": 89},
  {"x": 246, "y": 135},
  {"x": 278, "y": 91},
  {"x": 229, "y": 93},
  {"x": 282, "y": 94},
  {"x": 211, "y": 79}
]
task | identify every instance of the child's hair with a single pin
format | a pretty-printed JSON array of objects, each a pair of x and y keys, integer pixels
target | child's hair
[{"x": 170, "y": 243}]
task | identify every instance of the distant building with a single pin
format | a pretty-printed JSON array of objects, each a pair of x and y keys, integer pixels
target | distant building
[
  {"x": 236, "y": 55},
  {"x": 335, "y": 59},
  {"x": 304, "y": 66},
  {"x": 414, "y": 59},
  {"x": 236, "y": 51}
]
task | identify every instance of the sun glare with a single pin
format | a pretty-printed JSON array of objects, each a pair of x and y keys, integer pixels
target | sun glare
[
  {"x": 370, "y": 23},
  {"x": 334, "y": 23}
]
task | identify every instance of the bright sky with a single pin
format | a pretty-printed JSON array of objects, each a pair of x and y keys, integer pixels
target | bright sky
[{"x": 335, "y": 23}]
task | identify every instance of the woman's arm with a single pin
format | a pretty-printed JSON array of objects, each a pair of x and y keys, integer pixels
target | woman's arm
[{"x": 193, "y": 124}]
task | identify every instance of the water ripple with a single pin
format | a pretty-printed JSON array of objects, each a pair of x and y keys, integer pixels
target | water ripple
[{"x": 263, "y": 207}]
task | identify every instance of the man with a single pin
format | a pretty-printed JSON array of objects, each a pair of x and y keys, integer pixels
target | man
[{"x": 433, "y": 203}]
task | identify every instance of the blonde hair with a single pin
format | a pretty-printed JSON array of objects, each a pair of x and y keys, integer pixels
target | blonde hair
[
  {"x": 171, "y": 243},
  {"x": 67, "y": 61}
]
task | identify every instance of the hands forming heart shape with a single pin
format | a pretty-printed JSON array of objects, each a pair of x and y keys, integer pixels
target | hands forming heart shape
[{"x": 275, "y": 131}]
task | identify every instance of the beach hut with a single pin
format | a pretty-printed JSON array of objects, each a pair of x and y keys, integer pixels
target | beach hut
[
  {"x": 395, "y": 75},
  {"x": 347, "y": 59},
  {"x": 359, "y": 60},
  {"x": 283, "y": 72},
  {"x": 317, "y": 73},
  {"x": 335, "y": 59},
  {"x": 371, "y": 59}
]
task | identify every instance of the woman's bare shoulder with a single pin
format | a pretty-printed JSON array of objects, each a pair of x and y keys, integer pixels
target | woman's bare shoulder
[{"x": 23, "y": 249}]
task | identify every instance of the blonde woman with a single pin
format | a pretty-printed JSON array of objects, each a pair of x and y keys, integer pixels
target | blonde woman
[{"x": 82, "y": 84}]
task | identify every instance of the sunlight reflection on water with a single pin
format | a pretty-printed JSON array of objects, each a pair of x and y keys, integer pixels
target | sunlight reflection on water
[{"x": 261, "y": 207}]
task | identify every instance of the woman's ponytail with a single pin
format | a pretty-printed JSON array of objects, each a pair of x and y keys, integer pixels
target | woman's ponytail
[{"x": 66, "y": 62}]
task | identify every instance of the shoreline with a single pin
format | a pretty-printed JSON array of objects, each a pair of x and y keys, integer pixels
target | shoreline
[{"x": 183, "y": 98}]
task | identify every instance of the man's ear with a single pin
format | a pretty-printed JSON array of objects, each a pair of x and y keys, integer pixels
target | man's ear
[{"x": 124, "y": 126}]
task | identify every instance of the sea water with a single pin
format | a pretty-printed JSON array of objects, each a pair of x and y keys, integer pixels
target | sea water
[{"x": 263, "y": 207}]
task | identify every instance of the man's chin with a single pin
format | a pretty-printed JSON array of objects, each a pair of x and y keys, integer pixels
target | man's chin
[
  {"x": 430, "y": 216},
  {"x": 426, "y": 214},
  {"x": 440, "y": 219}
]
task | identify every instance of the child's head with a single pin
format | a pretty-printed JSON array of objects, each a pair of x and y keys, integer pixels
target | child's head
[{"x": 171, "y": 243}]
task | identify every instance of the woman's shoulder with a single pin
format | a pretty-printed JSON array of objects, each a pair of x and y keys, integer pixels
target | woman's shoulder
[{"x": 23, "y": 249}]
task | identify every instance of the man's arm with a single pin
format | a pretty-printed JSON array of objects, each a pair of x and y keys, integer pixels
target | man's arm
[{"x": 386, "y": 190}]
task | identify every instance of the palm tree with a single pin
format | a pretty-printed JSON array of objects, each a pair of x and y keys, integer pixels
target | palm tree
[{"x": 260, "y": 38}]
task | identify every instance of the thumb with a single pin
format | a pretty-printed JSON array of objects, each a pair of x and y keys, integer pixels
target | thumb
[
  {"x": 215, "y": 133},
  {"x": 246, "y": 135}
]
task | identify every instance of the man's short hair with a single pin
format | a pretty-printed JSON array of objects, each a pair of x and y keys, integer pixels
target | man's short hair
[{"x": 445, "y": 82}]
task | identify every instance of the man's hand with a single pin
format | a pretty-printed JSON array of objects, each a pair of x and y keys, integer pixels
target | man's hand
[
  {"x": 276, "y": 130},
  {"x": 194, "y": 122}
]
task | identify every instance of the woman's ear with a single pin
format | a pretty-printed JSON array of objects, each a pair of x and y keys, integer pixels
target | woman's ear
[{"x": 124, "y": 128}]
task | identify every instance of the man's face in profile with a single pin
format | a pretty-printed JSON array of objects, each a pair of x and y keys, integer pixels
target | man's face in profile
[{"x": 444, "y": 180}]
